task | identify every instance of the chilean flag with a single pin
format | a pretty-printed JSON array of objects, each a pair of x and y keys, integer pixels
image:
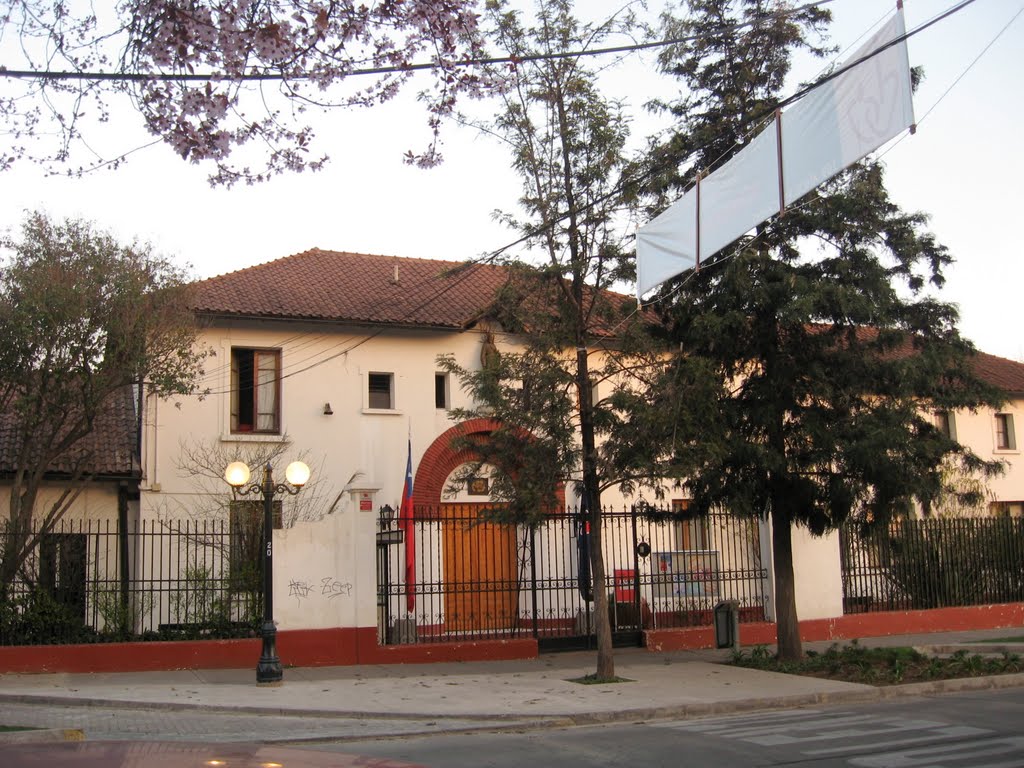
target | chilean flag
[{"x": 406, "y": 524}]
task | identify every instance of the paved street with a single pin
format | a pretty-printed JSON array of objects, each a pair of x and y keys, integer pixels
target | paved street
[
  {"x": 141, "y": 723},
  {"x": 677, "y": 708},
  {"x": 163, "y": 754},
  {"x": 968, "y": 730}
]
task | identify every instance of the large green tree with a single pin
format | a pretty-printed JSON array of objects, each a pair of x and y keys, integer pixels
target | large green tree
[
  {"x": 830, "y": 348},
  {"x": 567, "y": 144},
  {"x": 82, "y": 317}
]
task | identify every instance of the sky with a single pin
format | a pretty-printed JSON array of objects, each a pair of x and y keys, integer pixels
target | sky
[{"x": 963, "y": 167}]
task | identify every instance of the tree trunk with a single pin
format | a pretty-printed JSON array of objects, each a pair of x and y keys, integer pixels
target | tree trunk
[
  {"x": 602, "y": 620},
  {"x": 592, "y": 498},
  {"x": 786, "y": 622},
  {"x": 787, "y": 626},
  {"x": 14, "y": 549}
]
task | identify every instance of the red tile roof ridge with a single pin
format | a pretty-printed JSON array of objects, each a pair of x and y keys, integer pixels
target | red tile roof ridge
[
  {"x": 330, "y": 252},
  {"x": 1001, "y": 372},
  {"x": 343, "y": 286},
  {"x": 1000, "y": 358}
]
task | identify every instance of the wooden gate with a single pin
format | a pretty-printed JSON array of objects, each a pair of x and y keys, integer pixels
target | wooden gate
[{"x": 481, "y": 585}]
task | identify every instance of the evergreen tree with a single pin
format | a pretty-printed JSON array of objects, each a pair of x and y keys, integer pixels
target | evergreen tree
[{"x": 830, "y": 349}]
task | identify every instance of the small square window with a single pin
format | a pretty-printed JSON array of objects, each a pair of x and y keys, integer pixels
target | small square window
[
  {"x": 1005, "y": 438},
  {"x": 381, "y": 391},
  {"x": 441, "y": 390}
]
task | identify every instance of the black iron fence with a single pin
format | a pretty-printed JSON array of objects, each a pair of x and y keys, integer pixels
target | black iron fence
[
  {"x": 470, "y": 575},
  {"x": 933, "y": 563},
  {"x": 89, "y": 581},
  {"x": 473, "y": 576}
]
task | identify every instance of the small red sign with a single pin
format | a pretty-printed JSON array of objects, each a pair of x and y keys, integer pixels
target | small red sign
[{"x": 366, "y": 505}]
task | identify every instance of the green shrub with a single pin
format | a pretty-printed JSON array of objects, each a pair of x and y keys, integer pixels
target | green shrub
[
  {"x": 120, "y": 616},
  {"x": 36, "y": 618},
  {"x": 208, "y": 607}
]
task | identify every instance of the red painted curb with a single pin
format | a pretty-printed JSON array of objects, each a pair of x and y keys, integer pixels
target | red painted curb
[
  {"x": 344, "y": 647},
  {"x": 874, "y": 624},
  {"x": 297, "y": 648}
]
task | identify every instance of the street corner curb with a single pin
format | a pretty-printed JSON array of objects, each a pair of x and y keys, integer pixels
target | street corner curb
[
  {"x": 720, "y": 708},
  {"x": 954, "y": 685},
  {"x": 859, "y": 694},
  {"x": 42, "y": 736},
  {"x": 438, "y": 728}
]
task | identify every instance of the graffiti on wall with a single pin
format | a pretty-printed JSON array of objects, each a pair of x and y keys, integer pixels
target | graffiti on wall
[{"x": 327, "y": 586}]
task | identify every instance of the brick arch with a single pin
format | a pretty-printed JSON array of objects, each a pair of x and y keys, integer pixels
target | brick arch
[{"x": 440, "y": 459}]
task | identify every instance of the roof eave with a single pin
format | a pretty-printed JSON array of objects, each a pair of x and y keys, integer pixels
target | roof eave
[
  {"x": 133, "y": 476},
  {"x": 224, "y": 316}
]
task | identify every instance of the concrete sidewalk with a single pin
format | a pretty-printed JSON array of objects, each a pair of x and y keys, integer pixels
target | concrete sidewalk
[{"x": 491, "y": 694}]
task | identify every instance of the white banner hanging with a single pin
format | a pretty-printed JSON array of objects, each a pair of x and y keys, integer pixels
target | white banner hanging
[{"x": 830, "y": 128}]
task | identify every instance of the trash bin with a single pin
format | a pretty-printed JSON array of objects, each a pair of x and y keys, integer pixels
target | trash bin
[{"x": 727, "y": 624}]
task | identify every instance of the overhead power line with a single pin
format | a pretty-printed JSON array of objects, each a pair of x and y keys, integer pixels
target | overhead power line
[
  {"x": 215, "y": 77},
  {"x": 881, "y": 49},
  {"x": 351, "y": 343}
]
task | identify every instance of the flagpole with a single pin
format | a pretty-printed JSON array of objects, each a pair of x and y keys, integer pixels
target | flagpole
[{"x": 407, "y": 523}]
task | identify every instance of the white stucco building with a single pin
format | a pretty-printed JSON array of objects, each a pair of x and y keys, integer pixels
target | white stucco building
[{"x": 331, "y": 358}]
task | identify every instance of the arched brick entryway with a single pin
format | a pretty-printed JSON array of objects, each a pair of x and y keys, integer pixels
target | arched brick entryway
[
  {"x": 440, "y": 459},
  {"x": 479, "y": 559}
]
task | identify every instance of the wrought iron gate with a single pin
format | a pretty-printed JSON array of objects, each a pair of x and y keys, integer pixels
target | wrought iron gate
[{"x": 479, "y": 578}]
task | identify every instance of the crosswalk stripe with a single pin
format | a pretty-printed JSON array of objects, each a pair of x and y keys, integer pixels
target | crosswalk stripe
[
  {"x": 946, "y": 755},
  {"x": 871, "y": 727},
  {"x": 739, "y": 721},
  {"x": 952, "y": 732},
  {"x": 754, "y": 734}
]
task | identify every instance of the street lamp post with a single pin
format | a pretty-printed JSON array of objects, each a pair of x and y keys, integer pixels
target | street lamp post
[{"x": 268, "y": 670}]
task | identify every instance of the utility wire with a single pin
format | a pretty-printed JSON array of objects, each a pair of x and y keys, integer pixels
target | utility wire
[
  {"x": 757, "y": 117},
  {"x": 32, "y": 74},
  {"x": 690, "y": 273},
  {"x": 490, "y": 257},
  {"x": 493, "y": 255},
  {"x": 956, "y": 81}
]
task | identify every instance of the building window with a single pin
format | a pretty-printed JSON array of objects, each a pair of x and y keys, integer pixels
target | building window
[
  {"x": 381, "y": 391},
  {"x": 946, "y": 423},
  {"x": 692, "y": 534},
  {"x": 246, "y": 542},
  {"x": 255, "y": 390},
  {"x": 441, "y": 390},
  {"x": 1005, "y": 438},
  {"x": 1013, "y": 509}
]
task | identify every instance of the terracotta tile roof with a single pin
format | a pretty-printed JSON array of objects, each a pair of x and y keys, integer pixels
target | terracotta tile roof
[
  {"x": 354, "y": 287},
  {"x": 1007, "y": 375},
  {"x": 112, "y": 443},
  {"x": 362, "y": 288}
]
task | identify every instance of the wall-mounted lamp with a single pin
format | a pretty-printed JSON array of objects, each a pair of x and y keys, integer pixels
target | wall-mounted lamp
[
  {"x": 385, "y": 515},
  {"x": 328, "y": 411}
]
